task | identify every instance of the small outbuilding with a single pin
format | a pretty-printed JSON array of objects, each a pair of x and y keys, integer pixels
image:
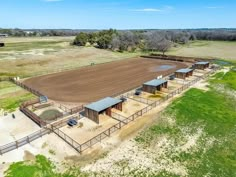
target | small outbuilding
[
  {"x": 2, "y": 44},
  {"x": 154, "y": 85},
  {"x": 201, "y": 65},
  {"x": 103, "y": 106},
  {"x": 183, "y": 73}
]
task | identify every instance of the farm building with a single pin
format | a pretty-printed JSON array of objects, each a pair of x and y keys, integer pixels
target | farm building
[
  {"x": 154, "y": 85},
  {"x": 183, "y": 73},
  {"x": 105, "y": 105},
  {"x": 201, "y": 65}
]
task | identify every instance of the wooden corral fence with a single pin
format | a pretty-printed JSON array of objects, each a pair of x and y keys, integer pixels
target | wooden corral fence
[
  {"x": 56, "y": 129},
  {"x": 35, "y": 92},
  {"x": 38, "y": 134},
  {"x": 176, "y": 58},
  {"x": 41, "y": 106},
  {"x": 124, "y": 121},
  {"x": 72, "y": 110},
  {"x": 98, "y": 138},
  {"x": 24, "y": 108},
  {"x": 16, "y": 144},
  {"x": 141, "y": 100},
  {"x": 76, "y": 109}
]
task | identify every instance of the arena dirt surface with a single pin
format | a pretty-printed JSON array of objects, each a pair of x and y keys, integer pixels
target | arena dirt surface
[{"x": 95, "y": 82}]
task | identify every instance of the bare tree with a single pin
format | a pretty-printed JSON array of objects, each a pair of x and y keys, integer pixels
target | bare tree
[
  {"x": 164, "y": 46},
  {"x": 156, "y": 41}
]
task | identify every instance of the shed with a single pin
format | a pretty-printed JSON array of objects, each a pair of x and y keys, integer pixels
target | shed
[
  {"x": 154, "y": 85},
  {"x": 2, "y": 44},
  {"x": 201, "y": 65},
  {"x": 183, "y": 73},
  {"x": 105, "y": 105}
]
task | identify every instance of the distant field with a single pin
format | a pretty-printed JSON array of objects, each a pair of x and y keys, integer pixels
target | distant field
[
  {"x": 36, "y": 56},
  {"x": 209, "y": 49}
]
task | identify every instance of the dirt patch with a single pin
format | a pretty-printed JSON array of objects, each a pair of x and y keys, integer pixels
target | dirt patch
[
  {"x": 28, "y": 156},
  {"x": 92, "y": 83}
]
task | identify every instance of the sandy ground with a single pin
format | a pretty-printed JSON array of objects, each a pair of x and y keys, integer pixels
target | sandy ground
[
  {"x": 112, "y": 145},
  {"x": 39, "y": 146},
  {"x": 13, "y": 129},
  {"x": 89, "y": 128},
  {"x": 93, "y": 83},
  {"x": 129, "y": 108},
  {"x": 128, "y": 156}
]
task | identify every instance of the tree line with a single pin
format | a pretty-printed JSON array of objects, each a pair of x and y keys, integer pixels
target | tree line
[
  {"x": 131, "y": 40},
  {"x": 149, "y": 40}
]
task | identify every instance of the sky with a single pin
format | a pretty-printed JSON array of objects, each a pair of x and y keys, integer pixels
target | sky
[{"x": 118, "y": 14}]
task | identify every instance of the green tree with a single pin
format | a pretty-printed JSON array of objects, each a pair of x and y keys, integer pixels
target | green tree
[{"x": 81, "y": 39}]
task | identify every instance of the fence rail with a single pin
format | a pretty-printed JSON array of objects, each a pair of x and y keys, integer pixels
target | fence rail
[
  {"x": 16, "y": 144},
  {"x": 141, "y": 100},
  {"x": 98, "y": 138},
  {"x": 35, "y": 92}
]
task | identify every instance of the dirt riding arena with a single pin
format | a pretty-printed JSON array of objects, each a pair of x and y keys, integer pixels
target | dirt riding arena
[{"x": 95, "y": 82}]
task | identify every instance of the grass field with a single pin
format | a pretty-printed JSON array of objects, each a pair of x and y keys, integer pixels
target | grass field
[
  {"x": 11, "y": 96},
  {"x": 208, "y": 49},
  {"x": 36, "y": 56}
]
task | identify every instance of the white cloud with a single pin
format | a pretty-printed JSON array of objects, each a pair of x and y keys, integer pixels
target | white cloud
[
  {"x": 52, "y": 0},
  {"x": 163, "y": 9},
  {"x": 214, "y": 7},
  {"x": 147, "y": 10}
]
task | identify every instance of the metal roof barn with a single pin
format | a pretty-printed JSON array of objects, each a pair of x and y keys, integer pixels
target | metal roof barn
[
  {"x": 186, "y": 70},
  {"x": 202, "y": 63},
  {"x": 105, "y": 105},
  {"x": 183, "y": 73},
  {"x": 154, "y": 85},
  {"x": 155, "y": 82}
]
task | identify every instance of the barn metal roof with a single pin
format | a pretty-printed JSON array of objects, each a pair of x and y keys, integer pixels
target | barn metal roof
[
  {"x": 202, "y": 63},
  {"x": 155, "y": 82},
  {"x": 186, "y": 70},
  {"x": 103, "y": 104}
]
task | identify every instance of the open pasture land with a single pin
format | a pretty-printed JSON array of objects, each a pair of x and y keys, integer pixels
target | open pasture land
[
  {"x": 33, "y": 56},
  {"x": 92, "y": 83},
  {"x": 206, "y": 49}
]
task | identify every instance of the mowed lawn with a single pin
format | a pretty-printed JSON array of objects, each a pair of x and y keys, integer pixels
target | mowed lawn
[{"x": 209, "y": 49}]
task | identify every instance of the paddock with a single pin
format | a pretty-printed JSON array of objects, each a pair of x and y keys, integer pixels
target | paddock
[
  {"x": 92, "y": 83},
  {"x": 87, "y": 129},
  {"x": 130, "y": 107}
]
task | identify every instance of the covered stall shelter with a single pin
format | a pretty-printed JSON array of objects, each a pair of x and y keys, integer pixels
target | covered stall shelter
[
  {"x": 105, "y": 105},
  {"x": 154, "y": 85},
  {"x": 183, "y": 73},
  {"x": 202, "y": 65}
]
